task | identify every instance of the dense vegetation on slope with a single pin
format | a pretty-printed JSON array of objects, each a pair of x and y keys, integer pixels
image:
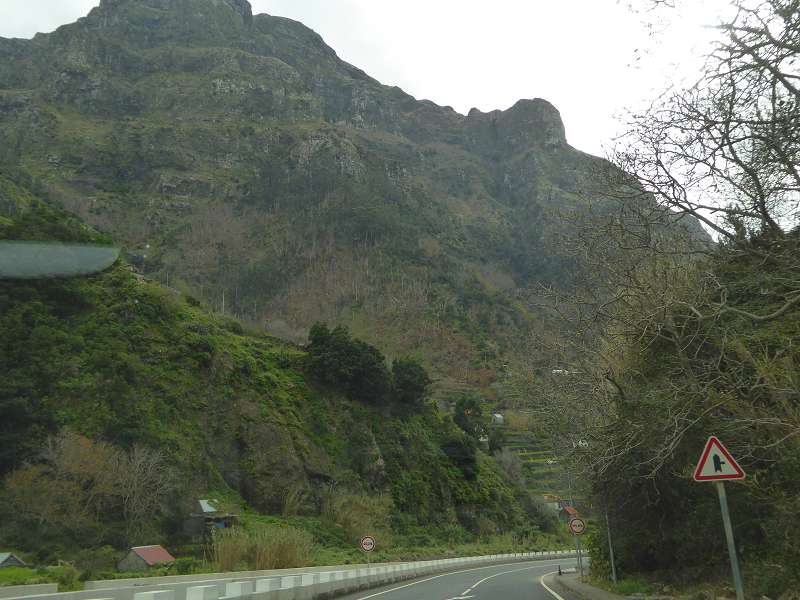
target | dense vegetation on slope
[
  {"x": 727, "y": 374},
  {"x": 106, "y": 372},
  {"x": 693, "y": 345}
]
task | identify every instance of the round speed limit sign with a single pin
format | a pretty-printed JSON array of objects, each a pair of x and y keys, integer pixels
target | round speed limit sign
[
  {"x": 577, "y": 526},
  {"x": 368, "y": 543}
]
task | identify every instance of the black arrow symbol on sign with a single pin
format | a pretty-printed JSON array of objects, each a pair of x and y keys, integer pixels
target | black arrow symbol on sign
[{"x": 718, "y": 462}]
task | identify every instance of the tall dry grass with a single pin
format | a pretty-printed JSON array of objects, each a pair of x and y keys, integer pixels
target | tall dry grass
[
  {"x": 228, "y": 548},
  {"x": 272, "y": 547},
  {"x": 294, "y": 501},
  {"x": 359, "y": 514},
  {"x": 281, "y": 548}
]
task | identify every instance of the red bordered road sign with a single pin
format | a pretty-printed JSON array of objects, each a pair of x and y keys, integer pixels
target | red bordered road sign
[
  {"x": 716, "y": 463},
  {"x": 577, "y": 526},
  {"x": 367, "y": 543}
]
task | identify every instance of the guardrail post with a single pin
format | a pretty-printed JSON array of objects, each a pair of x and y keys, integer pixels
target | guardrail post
[
  {"x": 202, "y": 592},
  {"x": 155, "y": 595}
]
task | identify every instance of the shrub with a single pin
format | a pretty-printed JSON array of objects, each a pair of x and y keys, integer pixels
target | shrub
[
  {"x": 95, "y": 560},
  {"x": 294, "y": 501},
  {"x": 461, "y": 450},
  {"x": 67, "y": 576},
  {"x": 281, "y": 548},
  {"x": 468, "y": 415},
  {"x": 186, "y": 565},
  {"x": 361, "y": 514},
  {"x": 228, "y": 548},
  {"x": 264, "y": 548}
]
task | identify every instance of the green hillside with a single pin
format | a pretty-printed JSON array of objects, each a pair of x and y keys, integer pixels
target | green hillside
[{"x": 98, "y": 369}]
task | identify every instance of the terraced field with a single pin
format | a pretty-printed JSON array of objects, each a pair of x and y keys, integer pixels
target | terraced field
[{"x": 543, "y": 474}]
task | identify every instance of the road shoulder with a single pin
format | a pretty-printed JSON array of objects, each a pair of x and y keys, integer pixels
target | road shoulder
[{"x": 573, "y": 588}]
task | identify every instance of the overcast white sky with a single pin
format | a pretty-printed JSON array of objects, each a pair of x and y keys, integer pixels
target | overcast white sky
[{"x": 590, "y": 58}]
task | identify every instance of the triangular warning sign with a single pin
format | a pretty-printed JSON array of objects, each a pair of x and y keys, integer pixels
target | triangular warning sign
[{"x": 717, "y": 463}]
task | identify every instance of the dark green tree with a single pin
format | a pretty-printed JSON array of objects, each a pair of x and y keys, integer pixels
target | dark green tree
[
  {"x": 468, "y": 415},
  {"x": 461, "y": 449},
  {"x": 410, "y": 381},
  {"x": 336, "y": 358}
]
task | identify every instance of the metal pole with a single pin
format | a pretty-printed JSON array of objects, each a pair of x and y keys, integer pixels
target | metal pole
[
  {"x": 726, "y": 522},
  {"x": 580, "y": 558},
  {"x": 611, "y": 550},
  {"x": 577, "y": 537}
]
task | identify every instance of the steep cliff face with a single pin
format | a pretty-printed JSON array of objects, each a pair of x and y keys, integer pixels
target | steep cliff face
[{"x": 237, "y": 156}]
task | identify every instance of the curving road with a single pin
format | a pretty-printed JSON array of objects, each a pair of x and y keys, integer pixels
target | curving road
[{"x": 514, "y": 581}]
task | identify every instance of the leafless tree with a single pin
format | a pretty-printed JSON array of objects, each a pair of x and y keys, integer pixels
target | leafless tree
[
  {"x": 724, "y": 152},
  {"x": 729, "y": 146},
  {"x": 142, "y": 481}
]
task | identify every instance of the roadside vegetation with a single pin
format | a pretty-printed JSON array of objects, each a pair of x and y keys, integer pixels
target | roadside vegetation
[{"x": 674, "y": 340}]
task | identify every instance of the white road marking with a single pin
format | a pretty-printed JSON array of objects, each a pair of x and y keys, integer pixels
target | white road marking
[
  {"x": 552, "y": 560},
  {"x": 469, "y": 589},
  {"x": 547, "y": 587}
]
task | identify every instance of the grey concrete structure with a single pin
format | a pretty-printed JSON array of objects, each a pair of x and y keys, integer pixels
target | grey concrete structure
[
  {"x": 15, "y": 591},
  {"x": 202, "y": 592}
]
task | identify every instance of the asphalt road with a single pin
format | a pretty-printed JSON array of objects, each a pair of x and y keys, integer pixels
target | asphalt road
[{"x": 513, "y": 581}]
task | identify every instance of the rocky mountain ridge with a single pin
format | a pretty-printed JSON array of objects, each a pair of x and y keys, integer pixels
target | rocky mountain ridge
[{"x": 237, "y": 157}]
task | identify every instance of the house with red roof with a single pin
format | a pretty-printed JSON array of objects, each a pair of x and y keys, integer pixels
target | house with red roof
[
  {"x": 568, "y": 513},
  {"x": 142, "y": 558}
]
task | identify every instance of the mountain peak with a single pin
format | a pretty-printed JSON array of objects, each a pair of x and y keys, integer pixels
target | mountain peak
[
  {"x": 536, "y": 117},
  {"x": 154, "y": 21},
  {"x": 530, "y": 122}
]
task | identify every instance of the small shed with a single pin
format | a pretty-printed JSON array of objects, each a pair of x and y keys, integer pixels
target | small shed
[
  {"x": 8, "y": 559},
  {"x": 498, "y": 419},
  {"x": 207, "y": 518},
  {"x": 142, "y": 558}
]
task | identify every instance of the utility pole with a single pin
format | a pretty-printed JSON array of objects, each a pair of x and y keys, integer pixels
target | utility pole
[{"x": 611, "y": 550}]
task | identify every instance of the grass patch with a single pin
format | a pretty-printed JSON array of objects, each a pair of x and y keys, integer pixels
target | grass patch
[
  {"x": 21, "y": 576},
  {"x": 625, "y": 587}
]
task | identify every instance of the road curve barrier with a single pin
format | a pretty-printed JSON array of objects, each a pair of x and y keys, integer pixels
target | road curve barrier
[{"x": 285, "y": 584}]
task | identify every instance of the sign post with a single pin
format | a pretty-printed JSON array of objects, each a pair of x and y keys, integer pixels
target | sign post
[
  {"x": 578, "y": 527},
  {"x": 716, "y": 464},
  {"x": 367, "y": 544}
]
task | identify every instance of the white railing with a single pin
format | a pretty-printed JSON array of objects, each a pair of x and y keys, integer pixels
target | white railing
[{"x": 294, "y": 584}]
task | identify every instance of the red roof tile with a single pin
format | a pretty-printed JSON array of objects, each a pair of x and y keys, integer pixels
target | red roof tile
[{"x": 153, "y": 555}]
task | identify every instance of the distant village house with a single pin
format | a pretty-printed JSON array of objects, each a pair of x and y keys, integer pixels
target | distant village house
[
  {"x": 568, "y": 513},
  {"x": 142, "y": 558},
  {"x": 7, "y": 559}
]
